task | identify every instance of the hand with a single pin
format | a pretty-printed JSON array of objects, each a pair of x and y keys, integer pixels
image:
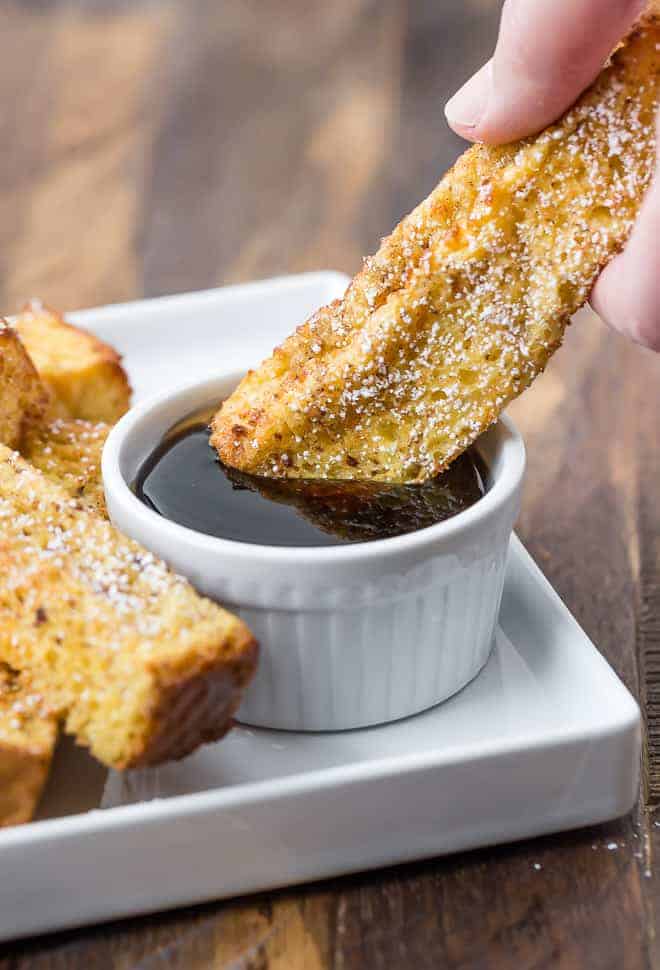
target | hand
[{"x": 548, "y": 52}]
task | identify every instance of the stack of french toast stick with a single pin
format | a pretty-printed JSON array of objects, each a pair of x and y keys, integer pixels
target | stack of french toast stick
[{"x": 96, "y": 634}]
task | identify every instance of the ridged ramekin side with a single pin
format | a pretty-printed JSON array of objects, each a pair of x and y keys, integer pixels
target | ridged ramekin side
[{"x": 328, "y": 670}]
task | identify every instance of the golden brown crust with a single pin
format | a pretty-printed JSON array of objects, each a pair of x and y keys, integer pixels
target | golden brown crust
[
  {"x": 28, "y": 734},
  {"x": 463, "y": 304},
  {"x": 141, "y": 668},
  {"x": 83, "y": 374},
  {"x": 23, "y": 397},
  {"x": 186, "y": 712}
]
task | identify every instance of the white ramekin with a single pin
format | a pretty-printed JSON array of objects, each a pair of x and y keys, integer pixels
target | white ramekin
[{"x": 350, "y": 635}]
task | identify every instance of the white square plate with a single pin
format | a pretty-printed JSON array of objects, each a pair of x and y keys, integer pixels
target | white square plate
[{"x": 546, "y": 738}]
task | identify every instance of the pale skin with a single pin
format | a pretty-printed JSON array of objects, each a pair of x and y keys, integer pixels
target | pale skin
[{"x": 547, "y": 52}]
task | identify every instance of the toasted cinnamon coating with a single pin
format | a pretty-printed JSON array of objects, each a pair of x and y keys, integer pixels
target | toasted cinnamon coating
[
  {"x": 68, "y": 452},
  {"x": 463, "y": 304}
]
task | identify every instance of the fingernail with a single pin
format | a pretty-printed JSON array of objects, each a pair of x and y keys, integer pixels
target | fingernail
[{"x": 468, "y": 106}]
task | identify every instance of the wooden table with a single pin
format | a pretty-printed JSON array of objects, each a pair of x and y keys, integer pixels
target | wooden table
[{"x": 151, "y": 146}]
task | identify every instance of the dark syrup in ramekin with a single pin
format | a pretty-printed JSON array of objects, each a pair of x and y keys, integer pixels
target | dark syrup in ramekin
[{"x": 183, "y": 481}]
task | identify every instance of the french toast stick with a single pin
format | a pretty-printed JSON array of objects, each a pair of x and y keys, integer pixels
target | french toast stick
[
  {"x": 463, "y": 304},
  {"x": 23, "y": 398},
  {"x": 28, "y": 734},
  {"x": 83, "y": 374},
  {"x": 140, "y": 667}
]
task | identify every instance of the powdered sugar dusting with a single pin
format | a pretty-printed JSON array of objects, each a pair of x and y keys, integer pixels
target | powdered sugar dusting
[{"x": 126, "y": 589}]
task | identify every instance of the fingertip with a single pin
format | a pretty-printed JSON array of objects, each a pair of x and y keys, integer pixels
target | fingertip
[
  {"x": 627, "y": 293},
  {"x": 466, "y": 109},
  {"x": 626, "y": 300}
]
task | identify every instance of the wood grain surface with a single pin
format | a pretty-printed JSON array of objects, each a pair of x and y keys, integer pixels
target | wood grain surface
[{"x": 153, "y": 146}]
